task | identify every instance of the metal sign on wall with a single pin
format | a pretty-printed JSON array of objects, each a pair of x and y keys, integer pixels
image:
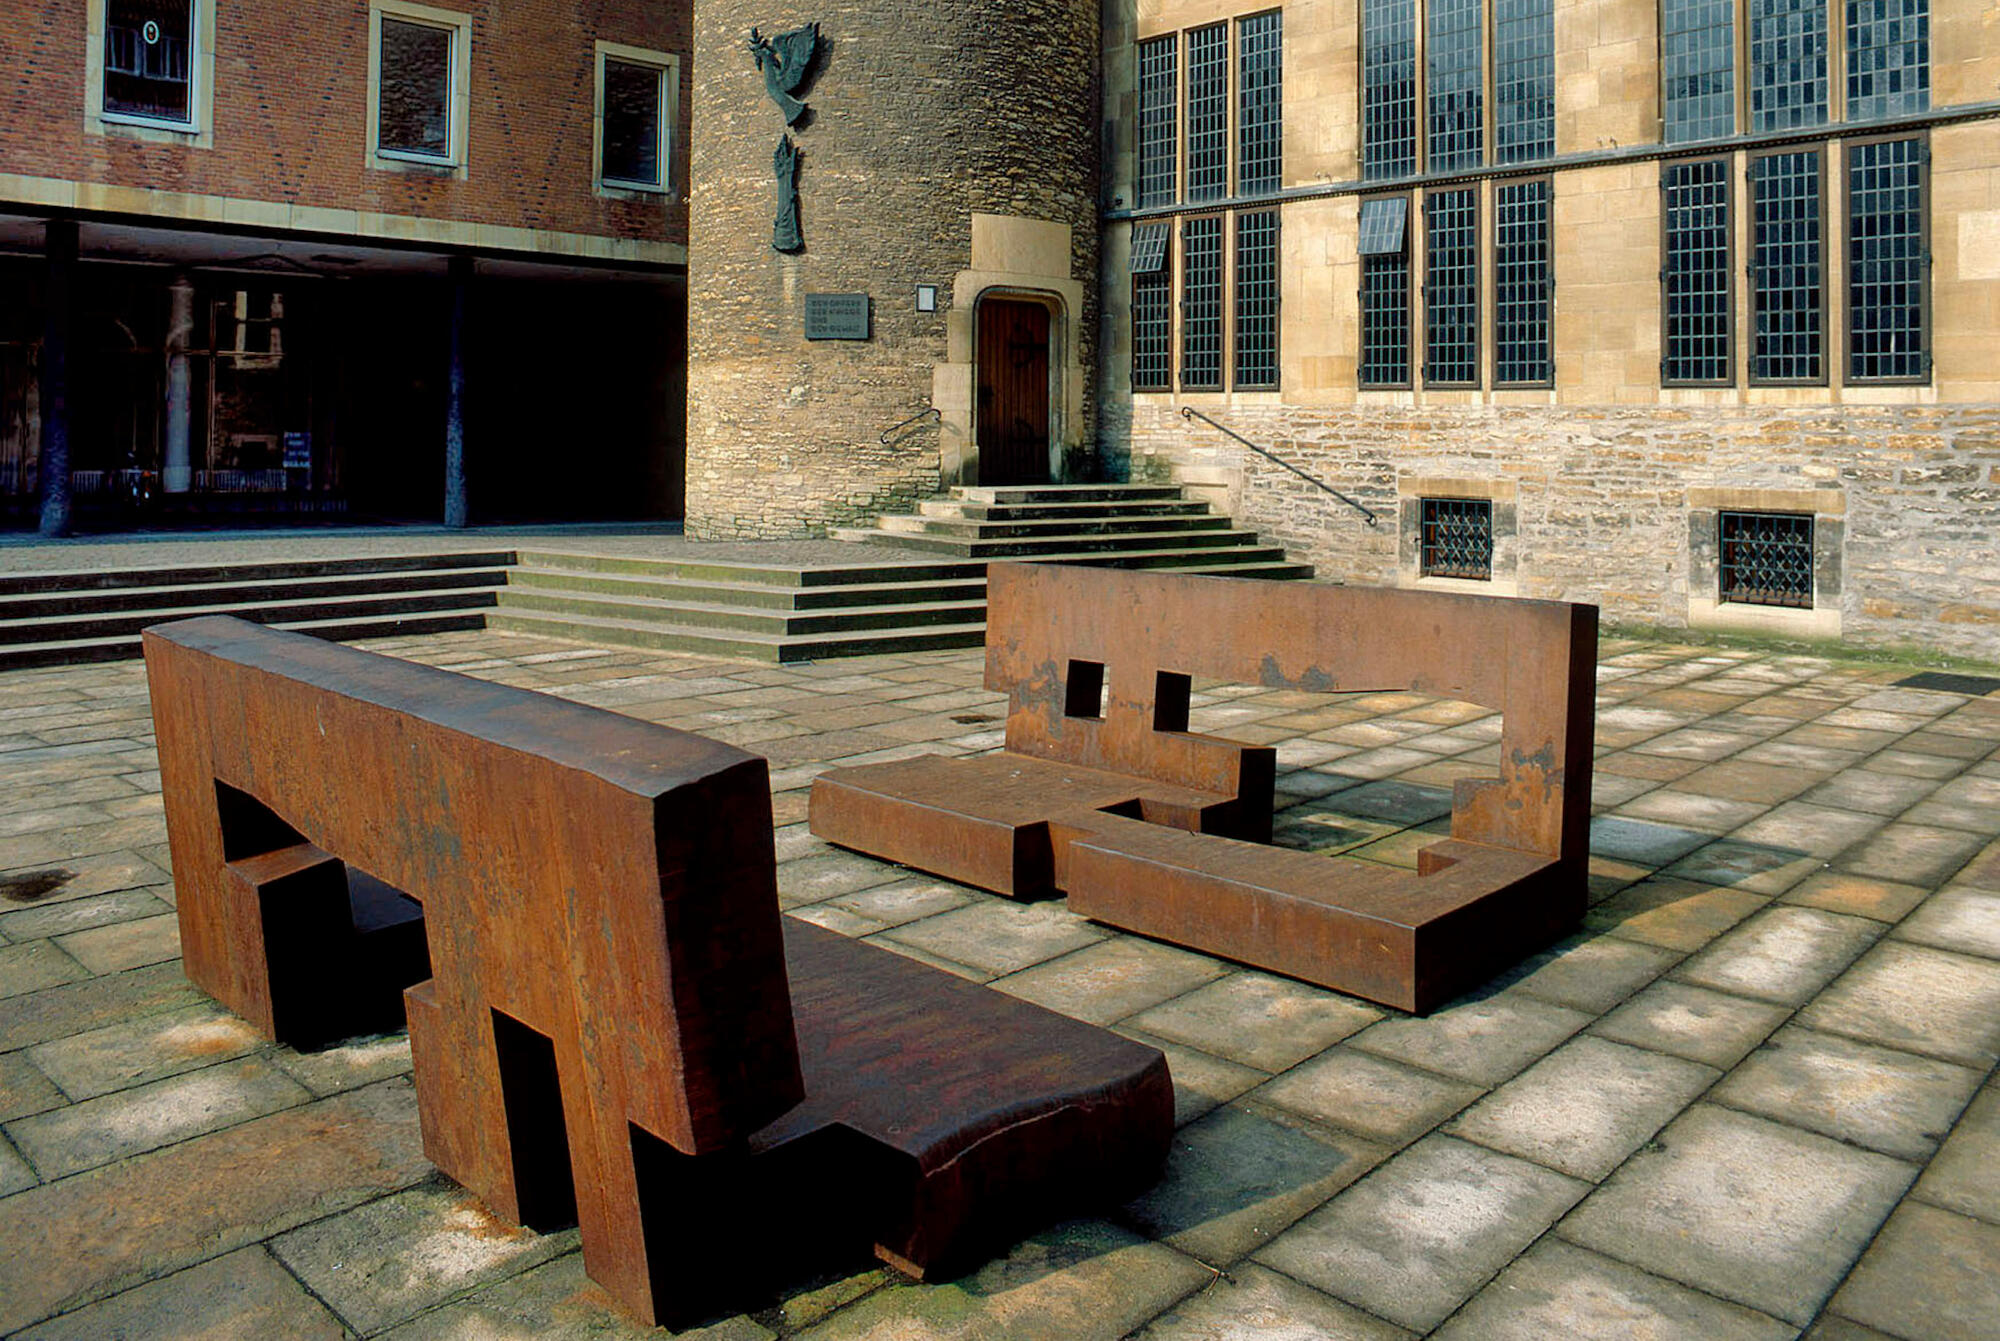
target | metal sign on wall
[{"x": 837, "y": 316}]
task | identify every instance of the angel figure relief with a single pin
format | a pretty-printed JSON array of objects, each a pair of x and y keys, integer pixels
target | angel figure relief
[{"x": 784, "y": 61}]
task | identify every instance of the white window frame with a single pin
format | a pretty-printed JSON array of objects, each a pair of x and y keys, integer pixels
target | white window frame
[
  {"x": 459, "y": 94},
  {"x": 668, "y": 66},
  {"x": 198, "y": 128}
]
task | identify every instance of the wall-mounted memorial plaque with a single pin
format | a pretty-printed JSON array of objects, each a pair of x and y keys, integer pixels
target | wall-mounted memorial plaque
[{"x": 837, "y": 316}]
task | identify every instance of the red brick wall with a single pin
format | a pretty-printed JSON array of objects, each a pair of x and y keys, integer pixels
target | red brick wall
[{"x": 290, "y": 112}]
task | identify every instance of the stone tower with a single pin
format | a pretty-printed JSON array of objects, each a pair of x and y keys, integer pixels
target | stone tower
[{"x": 949, "y": 145}]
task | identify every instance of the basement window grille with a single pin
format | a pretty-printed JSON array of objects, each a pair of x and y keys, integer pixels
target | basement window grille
[
  {"x": 1767, "y": 558},
  {"x": 1208, "y": 113},
  {"x": 1458, "y": 538},
  {"x": 1157, "y": 77}
]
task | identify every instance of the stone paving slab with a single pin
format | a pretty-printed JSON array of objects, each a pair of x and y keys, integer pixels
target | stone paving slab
[{"x": 1747, "y": 1062}]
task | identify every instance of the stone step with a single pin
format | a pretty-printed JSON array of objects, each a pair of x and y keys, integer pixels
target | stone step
[
  {"x": 282, "y": 611},
  {"x": 708, "y": 615},
  {"x": 738, "y": 644},
  {"x": 1052, "y": 549},
  {"x": 1034, "y": 528},
  {"x": 761, "y": 594},
  {"x": 1018, "y": 494},
  {"x": 89, "y": 579},
  {"x": 122, "y": 647},
  {"x": 771, "y": 574},
  {"x": 50, "y": 604},
  {"x": 957, "y": 507}
]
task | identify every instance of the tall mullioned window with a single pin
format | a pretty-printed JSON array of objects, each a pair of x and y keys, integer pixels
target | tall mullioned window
[
  {"x": 149, "y": 60},
  {"x": 1522, "y": 284},
  {"x": 1256, "y": 299},
  {"x": 1695, "y": 274},
  {"x": 1451, "y": 288},
  {"x": 1260, "y": 97},
  {"x": 1698, "y": 68},
  {"x": 1453, "y": 89},
  {"x": 1887, "y": 258},
  {"x": 1201, "y": 303},
  {"x": 1524, "y": 80},
  {"x": 1787, "y": 63},
  {"x": 1787, "y": 268},
  {"x": 1385, "y": 292},
  {"x": 1208, "y": 112},
  {"x": 1152, "y": 307},
  {"x": 1388, "y": 88},
  {"x": 1888, "y": 58},
  {"x": 1158, "y": 78}
]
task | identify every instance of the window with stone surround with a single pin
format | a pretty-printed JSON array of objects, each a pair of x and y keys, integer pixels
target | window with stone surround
[
  {"x": 1158, "y": 89},
  {"x": 418, "y": 99},
  {"x": 1694, "y": 273},
  {"x": 1208, "y": 112},
  {"x": 1256, "y": 314},
  {"x": 636, "y": 98},
  {"x": 1764, "y": 558},
  {"x": 1201, "y": 303},
  {"x": 1152, "y": 307},
  {"x": 1888, "y": 58},
  {"x": 1787, "y": 64},
  {"x": 1457, "y": 531},
  {"x": 1260, "y": 98},
  {"x": 149, "y": 61},
  {"x": 1388, "y": 88}
]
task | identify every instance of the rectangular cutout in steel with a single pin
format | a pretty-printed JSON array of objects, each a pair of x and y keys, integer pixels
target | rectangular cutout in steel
[
  {"x": 1083, "y": 690},
  {"x": 1171, "y": 693},
  {"x": 537, "y": 1133}
]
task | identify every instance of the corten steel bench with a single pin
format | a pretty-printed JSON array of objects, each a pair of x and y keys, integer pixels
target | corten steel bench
[
  {"x": 1145, "y": 825},
  {"x": 613, "y": 1025}
]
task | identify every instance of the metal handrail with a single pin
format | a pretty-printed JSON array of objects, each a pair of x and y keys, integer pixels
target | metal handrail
[
  {"x": 930, "y": 411},
  {"x": 1189, "y": 412}
]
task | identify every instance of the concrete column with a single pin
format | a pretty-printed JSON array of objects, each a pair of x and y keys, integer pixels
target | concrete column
[
  {"x": 454, "y": 402},
  {"x": 176, "y": 473},
  {"x": 59, "y": 247}
]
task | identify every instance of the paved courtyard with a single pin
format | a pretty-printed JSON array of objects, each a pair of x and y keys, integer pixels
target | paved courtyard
[{"x": 1753, "y": 1097}]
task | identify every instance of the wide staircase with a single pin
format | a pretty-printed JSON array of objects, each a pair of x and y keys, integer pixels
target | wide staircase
[
  {"x": 1106, "y": 525},
  {"x": 62, "y": 618}
]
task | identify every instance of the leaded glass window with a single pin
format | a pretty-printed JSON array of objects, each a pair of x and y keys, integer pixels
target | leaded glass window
[
  {"x": 1451, "y": 287},
  {"x": 1260, "y": 97},
  {"x": 1886, "y": 258},
  {"x": 149, "y": 59},
  {"x": 1698, "y": 53},
  {"x": 1767, "y": 558},
  {"x": 1208, "y": 113},
  {"x": 1385, "y": 296},
  {"x": 1384, "y": 226},
  {"x": 1786, "y": 268},
  {"x": 1787, "y": 63},
  {"x": 1888, "y": 58},
  {"x": 1152, "y": 308},
  {"x": 1157, "y": 120},
  {"x": 1388, "y": 88},
  {"x": 1256, "y": 299},
  {"x": 1695, "y": 276},
  {"x": 1453, "y": 86},
  {"x": 1201, "y": 303},
  {"x": 1457, "y": 538},
  {"x": 1522, "y": 284},
  {"x": 1524, "y": 80}
]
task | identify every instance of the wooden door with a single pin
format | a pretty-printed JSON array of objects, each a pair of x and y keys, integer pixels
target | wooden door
[{"x": 1013, "y": 392}]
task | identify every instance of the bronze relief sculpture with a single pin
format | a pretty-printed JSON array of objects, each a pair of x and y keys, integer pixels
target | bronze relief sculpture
[{"x": 785, "y": 61}]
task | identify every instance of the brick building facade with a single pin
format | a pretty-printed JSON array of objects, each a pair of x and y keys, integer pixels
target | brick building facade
[{"x": 275, "y": 211}]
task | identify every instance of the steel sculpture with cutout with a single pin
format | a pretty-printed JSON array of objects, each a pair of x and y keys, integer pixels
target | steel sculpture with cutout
[
  {"x": 611, "y": 1023},
  {"x": 1103, "y": 792}
]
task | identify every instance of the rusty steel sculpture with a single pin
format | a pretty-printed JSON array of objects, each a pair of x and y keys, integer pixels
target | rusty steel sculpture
[
  {"x": 1103, "y": 793},
  {"x": 612, "y": 1025}
]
